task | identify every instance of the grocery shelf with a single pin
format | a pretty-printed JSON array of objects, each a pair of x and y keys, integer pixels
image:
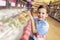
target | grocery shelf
[
  {"x": 57, "y": 19},
  {"x": 55, "y": 10}
]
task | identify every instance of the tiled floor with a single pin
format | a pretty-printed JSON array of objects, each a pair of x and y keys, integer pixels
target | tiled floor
[{"x": 54, "y": 29}]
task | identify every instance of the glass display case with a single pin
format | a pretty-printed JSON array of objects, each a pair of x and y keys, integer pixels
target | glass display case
[{"x": 12, "y": 23}]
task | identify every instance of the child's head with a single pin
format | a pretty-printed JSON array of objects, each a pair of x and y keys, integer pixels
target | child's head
[{"x": 42, "y": 12}]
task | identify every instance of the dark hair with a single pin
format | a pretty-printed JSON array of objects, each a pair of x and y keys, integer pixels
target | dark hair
[
  {"x": 44, "y": 6},
  {"x": 41, "y": 6}
]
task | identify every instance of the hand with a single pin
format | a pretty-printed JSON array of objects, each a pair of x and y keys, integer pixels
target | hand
[{"x": 35, "y": 34}]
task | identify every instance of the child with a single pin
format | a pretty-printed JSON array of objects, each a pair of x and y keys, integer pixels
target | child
[{"x": 39, "y": 24}]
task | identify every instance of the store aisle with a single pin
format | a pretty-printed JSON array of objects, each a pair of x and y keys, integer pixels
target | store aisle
[{"x": 54, "y": 30}]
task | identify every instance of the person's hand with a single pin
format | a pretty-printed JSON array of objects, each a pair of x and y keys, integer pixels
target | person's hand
[{"x": 35, "y": 34}]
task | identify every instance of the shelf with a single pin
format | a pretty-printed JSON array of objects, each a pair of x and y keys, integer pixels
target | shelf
[{"x": 58, "y": 19}]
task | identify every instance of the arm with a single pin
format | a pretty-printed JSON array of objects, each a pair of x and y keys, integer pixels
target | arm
[{"x": 33, "y": 22}]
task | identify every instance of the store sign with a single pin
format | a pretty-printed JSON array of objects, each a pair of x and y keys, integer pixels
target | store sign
[
  {"x": 2, "y": 2},
  {"x": 13, "y": 2},
  {"x": 18, "y": 4}
]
